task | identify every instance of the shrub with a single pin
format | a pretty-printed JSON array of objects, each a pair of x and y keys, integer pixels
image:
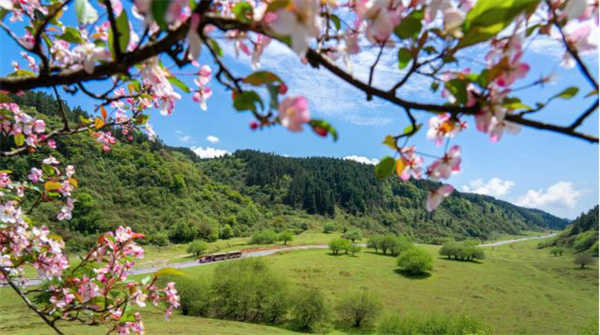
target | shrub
[
  {"x": 264, "y": 237},
  {"x": 353, "y": 235},
  {"x": 557, "y": 251},
  {"x": 329, "y": 228},
  {"x": 339, "y": 244},
  {"x": 286, "y": 237},
  {"x": 416, "y": 261},
  {"x": 197, "y": 247},
  {"x": 354, "y": 249},
  {"x": 160, "y": 239},
  {"x": 226, "y": 232},
  {"x": 374, "y": 242},
  {"x": 310, "y": 311},
  {"x": 583, "y": 259},
  {"x": 194, "y": 294},
  {"x": 431, "y": 325},
  {"x": 465, "y": 251},
  {"x": 247, "y": 290},
  {"x": 359, "y": 309},
  {"x": 401, "y": 244}
]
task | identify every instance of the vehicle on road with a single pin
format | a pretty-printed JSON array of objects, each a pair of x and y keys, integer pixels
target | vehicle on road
[{"x": 220, "y": 257}]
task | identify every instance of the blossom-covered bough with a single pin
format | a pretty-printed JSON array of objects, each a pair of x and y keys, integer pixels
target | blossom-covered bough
[{"x": 122, "y": 54}]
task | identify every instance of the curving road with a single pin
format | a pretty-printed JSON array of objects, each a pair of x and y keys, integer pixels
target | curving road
[{"x": 261, "y": 253}]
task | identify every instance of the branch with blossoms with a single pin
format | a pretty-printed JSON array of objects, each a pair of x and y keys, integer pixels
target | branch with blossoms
[{"x": 139, "y": 52}]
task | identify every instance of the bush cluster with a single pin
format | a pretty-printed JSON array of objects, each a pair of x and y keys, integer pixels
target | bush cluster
[
  {"x": 431, "y": 325},
  {"x": 338, "y": 245},
  {"x": 463, "y": 251},
  {"x": 393, "y": 244}
]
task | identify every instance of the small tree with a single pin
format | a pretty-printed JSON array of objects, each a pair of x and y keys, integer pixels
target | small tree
[
  {"x": 557, "y": 251},
  {"x": 226, "y": 232},
  {"x": 338, "y": 244},
  {"x": 329, "y": 228},
  {"x": 374, "y": 242},
  {"x": 449, "y": 249},
  {"x": 197, "y": 247},
  {"x": 310, "y": 311},
  {"x": 353, "y": 235},
  {"x": 359, "y": 309},
  {"x": 264, "y": 237},
  {"x": 354, "y": 249},
  {"x": 387, "y": 243},
  {"x": 583, "y": 259},
  {"x": 286, "y": 237},
  {"x": 416, "y": 261},
  {"x": 401, "y": 244}
]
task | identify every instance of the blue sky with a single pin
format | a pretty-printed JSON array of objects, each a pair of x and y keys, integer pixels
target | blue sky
[{"x": 535, "y": 168}]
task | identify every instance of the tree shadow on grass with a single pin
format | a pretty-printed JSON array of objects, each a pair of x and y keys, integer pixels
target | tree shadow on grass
[
  {"x": 409, "y": 275},
  {"x": 460, "y": 260}
]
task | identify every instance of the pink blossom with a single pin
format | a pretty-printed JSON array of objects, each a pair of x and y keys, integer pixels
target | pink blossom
[
  {"x": 35, "y": 175},
  {"x": 193, "y": 38},
  {"x": 51, "y": 161},
  {"x": 445, "y": 166},
  {"x": 300, "y": 22},
  {"x": 259, "y": 46},
  {"x": 88, "y": 54},
  {"x": 293, "y": 112},
  {"x": 381, "y": 17},
  {"x": 201, "y": 95},
  {"x": 435, "y": 197}
]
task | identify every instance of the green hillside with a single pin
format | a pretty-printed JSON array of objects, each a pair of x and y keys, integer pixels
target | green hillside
[
  {"x": 173, "y": 196},
  {"x": 334, "y": 187},
  {"x": 581, "y": 235}
]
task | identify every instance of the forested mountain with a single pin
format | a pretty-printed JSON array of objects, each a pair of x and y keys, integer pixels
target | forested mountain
[
  {"x": 333, "y": 187},
  {"x": 172, "y": 195},
  {"x": 582, "y": 234}
]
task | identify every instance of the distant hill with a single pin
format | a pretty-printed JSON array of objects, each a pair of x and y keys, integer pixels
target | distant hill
[
  {"x": 581, "y": 235},
  {"x": 334, "y": 187},
  {"x": 173, "y": 196}
]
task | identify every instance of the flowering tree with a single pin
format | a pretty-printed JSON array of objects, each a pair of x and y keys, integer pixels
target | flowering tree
[{"x": 131, "y": 49}]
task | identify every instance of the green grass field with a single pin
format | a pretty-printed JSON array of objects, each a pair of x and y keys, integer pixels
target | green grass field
[{"x": 516, "y": 289}]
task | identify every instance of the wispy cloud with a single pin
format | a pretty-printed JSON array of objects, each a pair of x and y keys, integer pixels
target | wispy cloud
[
  {"x": 209, "y": 152},
  {"x": 212, "y": 139},
  {"x": 183, "y": 137}
]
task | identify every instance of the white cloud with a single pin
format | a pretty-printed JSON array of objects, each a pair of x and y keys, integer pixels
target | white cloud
[
  {"x": 209, "y": 152},
  {"x": 212, "y": 139},
  {"x": 362, "y": 159},
  {"x": 183, "y": 137},
  {"x": 561, "y": 195},
  {"x": 495, "y": 187}
]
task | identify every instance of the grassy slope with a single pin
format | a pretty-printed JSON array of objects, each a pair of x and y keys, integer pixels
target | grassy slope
[{"x": 516, "y": 289}]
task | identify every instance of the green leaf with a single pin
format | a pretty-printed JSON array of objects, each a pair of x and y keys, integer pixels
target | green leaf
[
  {"x": 169, "y": 272},
  {"x": 323, "y": 128},
  {"x": 85, "y": 12},
  {"x": 71, "y": 35},
  {"x": 385, "y": 168},
  {"x": 124, "y": 33},
  {"x": 216, "y": 47},
  {"x": 592, "y": 93},
  {"x": 22, "y": 73},
  {"x": 434, "y": 86},
  {"x": 488, "y": 18},
  {"x": 243, "y": 12},
  {"x": 567, "y": 93},
  {"x": 514, "y": 104},
  {"x": 261, "y": 78},
  {"x": 277, "y": 5},
  {"x": 19, "y": 139},
  {"x": 141, "y": 119},
  {"x": 410, "y": 26},
  {"x": 390, "y": 141},
  {"x": 404, "y": 57},
  {"x": 458, "y": 89},
  {"x": 247, "y": 101},
  {"x": 412, "y": 129},
  {"x": 336, "y": 21},
  {"x": 175, "y": 81},
  {"x": 159, "y": 9}
]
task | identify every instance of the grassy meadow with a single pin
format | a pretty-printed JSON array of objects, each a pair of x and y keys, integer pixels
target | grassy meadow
[{"x": 517, "y": 289}]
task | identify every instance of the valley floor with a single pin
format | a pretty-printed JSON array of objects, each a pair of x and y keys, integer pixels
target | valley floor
[{"x": 516, "y": 289}]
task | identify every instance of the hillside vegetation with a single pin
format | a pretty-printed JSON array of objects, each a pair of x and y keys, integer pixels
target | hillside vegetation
[
  {"x": 173, "y": 196},
  {"x": 581, "y": 235},
  {"x": 338, "y": 188}
]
